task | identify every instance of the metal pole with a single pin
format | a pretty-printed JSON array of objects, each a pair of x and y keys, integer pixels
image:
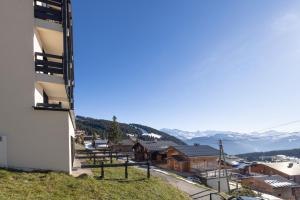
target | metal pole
[
  {"x": 102, "y": 171},
  {"x": 148, "y": 169},
  {"x": 219, "y": 175}
]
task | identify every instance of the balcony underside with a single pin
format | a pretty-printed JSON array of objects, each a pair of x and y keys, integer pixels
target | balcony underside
[{"x": 52, "y": 40}]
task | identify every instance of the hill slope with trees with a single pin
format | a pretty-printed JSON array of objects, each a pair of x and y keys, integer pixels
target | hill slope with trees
[
  {"x": 101, "y": 127},
  {"x": 255, "y": 156}
]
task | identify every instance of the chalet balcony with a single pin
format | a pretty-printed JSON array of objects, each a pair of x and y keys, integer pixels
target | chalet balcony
[
  {"x": 49, "y": 64},
  {"x": 50, "y": 10}
]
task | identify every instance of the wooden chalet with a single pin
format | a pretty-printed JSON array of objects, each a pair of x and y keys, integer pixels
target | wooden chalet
[
  {"x": 184, "y": 158},
  {"x": 152, "y": 150},
  {"x": 125, "y": 145}
]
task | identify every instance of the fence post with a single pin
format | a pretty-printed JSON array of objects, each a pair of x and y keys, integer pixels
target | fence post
[
  {"x": 127, "y": 158},
  {"x": 210, "y": 197},
  {"x": 148, "y": 169},
  {"x": 116, "y": 155},
  {"x": 126, "y": 169},
  {"x": 102, "y": 171},
  {"x": 110, "y": 154},
  {"x": 94, "y": 158}
]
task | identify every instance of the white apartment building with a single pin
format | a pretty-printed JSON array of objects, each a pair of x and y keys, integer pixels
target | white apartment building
[{"x": 36, "y": 85}]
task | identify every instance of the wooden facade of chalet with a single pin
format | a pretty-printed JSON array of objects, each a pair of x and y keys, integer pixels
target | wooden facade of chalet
[
  {"x": 185, "y": 158},
  {"x": 125, "y": 145},
  {"x": 152, "y": 150}
]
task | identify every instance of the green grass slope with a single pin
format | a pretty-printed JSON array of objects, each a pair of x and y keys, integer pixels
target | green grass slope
[{"x": 59, "y": 186}]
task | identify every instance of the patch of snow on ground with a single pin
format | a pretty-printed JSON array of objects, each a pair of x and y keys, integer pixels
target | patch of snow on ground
[{"x": 152, "y": 135}]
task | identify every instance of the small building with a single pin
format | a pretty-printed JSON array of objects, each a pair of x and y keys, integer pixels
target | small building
[
  {"x": 274, "y": 185},
  {"x": 288, "y": 170},
  {"x": 101, "y": 143},
  {"x": 152, "y": 150},
  {"x": 123, "y": 146},
  {"x": 185, "y": 158}
]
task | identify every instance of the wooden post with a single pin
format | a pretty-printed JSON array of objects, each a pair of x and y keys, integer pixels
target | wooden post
[
  {"x": 110, "y": 154},
  {"x": 94, "y": 158},
  {"x": 126, "y": 169},
  {"x": 148, "y": 169},
  {"x": 102, "y": 171},
  {"x": 127, "y": 158},
  {"x": 116, "y": 155}
]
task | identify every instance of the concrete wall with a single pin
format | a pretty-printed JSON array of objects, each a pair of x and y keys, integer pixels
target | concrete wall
[
  {"x": 35, "y": 139},
  {"x": 214, "y": 183}
]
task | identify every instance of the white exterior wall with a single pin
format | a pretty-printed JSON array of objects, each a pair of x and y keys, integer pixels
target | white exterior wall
[{"x": 36, "y": 139}]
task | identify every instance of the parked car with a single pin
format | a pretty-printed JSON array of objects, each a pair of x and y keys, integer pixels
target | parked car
[{"x": 195, "y": 179}]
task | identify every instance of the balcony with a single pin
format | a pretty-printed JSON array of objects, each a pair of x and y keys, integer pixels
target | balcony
[
  {"x": 50, "y": 10},
  {"x": 53, "y": 35},
  {"x": 49, "y": 64}
]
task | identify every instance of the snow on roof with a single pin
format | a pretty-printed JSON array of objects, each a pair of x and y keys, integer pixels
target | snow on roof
[
  {"x": 277, "y": 181},
  {"x": 289, "y": 168}
]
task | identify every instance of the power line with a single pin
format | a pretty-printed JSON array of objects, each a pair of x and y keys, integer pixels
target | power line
[{"x": 279, "y": 125}]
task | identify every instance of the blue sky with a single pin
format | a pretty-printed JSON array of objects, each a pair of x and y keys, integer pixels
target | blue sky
[{"x": 191, "y": 65}]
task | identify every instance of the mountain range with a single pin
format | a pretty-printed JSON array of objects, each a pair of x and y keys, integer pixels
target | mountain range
[{"x": 237, "y": 143}]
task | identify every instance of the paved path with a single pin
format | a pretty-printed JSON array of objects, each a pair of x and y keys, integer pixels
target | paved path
[
  {"x": 194, "y": 190},
  {"x": 77, "y": 170}
]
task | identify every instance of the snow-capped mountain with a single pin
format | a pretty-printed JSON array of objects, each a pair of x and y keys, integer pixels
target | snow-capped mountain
[{"x": 236, "y": 143}]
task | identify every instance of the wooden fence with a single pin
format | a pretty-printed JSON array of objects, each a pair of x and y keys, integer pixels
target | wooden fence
[{"x": 102, "y": 166}]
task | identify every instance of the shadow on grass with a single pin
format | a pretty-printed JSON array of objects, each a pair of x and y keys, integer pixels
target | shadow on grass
[{"x": 121, "y": 180}]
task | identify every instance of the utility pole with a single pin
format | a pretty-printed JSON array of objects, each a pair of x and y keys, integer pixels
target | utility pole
[{"x": 222, "y": 158}]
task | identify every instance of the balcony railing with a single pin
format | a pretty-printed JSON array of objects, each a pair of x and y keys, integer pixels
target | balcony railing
[
  {"x": 48, "y": 64},
  {"x": 46, "y": 105},
  {"x": 48, "y": 10}
]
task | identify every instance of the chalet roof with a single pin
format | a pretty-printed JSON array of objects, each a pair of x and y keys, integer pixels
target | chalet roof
[
  {"x": 197, "y": 150},
  {"x": 289, "y": 168},
  {"x": 157, "y": 145},
  {"x": 127, "y": 142},
  {"x": 276, "y": 181}
]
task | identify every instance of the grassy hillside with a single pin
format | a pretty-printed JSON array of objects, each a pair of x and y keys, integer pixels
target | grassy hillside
[
  {"x": 101, "y": 126},
  {"x": 255, "y": 155},
  {"x": 59, "y": 186}
]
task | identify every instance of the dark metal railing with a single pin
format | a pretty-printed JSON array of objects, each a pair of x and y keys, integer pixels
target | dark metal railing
[
  {"x": 48, "y": 10},
  {"x": 50, "y": 106},
  {"x": 48, "y": 64}
]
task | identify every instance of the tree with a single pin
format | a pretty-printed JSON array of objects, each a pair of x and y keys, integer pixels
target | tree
[
  {"x": 94, "y": 137},
  {"x": 114, "y": 132}
]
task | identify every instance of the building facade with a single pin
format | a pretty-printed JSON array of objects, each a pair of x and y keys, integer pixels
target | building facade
[
  {"x": 184, "y": 158},
  {"x": 36, "y": 85}
]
